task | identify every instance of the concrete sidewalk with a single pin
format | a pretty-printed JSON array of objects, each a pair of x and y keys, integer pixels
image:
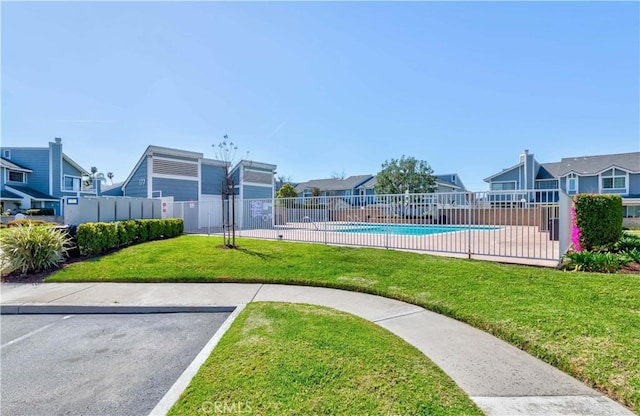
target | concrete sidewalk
[{"x": 499, "y": 378}]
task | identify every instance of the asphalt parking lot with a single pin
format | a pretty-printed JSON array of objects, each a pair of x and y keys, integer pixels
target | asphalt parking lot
[{"x": 97, "y": 364}]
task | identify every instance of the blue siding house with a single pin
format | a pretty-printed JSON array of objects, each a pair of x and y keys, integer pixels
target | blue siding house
[
  {"x": 449, "y": 182},
  {"x": 33, "y": 177},
  {"x": 183, "y": 175},
  {"x": 254, "y": 180},
  {"x": 599, "y": 174}
]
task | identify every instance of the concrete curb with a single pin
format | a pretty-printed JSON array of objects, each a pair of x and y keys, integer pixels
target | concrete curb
[
  {"x": 498, "y": 377},
  {"x": 172, "y": 396},
  {"x": 124, "y": 309}
]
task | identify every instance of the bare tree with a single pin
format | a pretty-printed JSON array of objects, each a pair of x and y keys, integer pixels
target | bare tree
[
  {"x": 226, "y": 152},
  {"x": 283, "y": 179},
  {"x": 338, "y": 175}
]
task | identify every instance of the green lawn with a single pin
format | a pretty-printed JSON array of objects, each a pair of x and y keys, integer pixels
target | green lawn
[
  {"x": 279, "y": 359},
  {"x": 586, "y": 324}
]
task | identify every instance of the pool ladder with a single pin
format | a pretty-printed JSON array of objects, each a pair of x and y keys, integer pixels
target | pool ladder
[{"x": 312, "y": 222}]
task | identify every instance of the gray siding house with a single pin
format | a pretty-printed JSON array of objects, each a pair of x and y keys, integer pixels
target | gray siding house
[
  {"x": 599, "y": 174},
  {"x": 39, "y": 177},
  {"x": 350, "y": 188},
  {"x": 360, "y": 189}
]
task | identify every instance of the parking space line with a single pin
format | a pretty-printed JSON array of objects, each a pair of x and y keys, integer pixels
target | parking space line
[{"x": 35, "y": 331}]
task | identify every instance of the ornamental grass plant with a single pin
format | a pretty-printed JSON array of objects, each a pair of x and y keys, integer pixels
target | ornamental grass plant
[{"x": 33, "y": 248}]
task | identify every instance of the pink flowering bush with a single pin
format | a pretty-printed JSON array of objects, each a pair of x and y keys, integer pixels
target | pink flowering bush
[{"x": 575, "y": 230}]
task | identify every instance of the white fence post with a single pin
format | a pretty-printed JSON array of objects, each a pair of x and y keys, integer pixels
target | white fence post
[{"x": 564, "y": 224}]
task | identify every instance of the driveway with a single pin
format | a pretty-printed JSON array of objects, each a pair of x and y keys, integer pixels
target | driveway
[{"x": 102, "y": 364}]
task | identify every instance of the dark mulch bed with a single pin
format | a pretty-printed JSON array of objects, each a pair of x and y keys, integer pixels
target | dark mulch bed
[
  {"x": 17, "y": 277},
  {"x": 630, "y": 268}
]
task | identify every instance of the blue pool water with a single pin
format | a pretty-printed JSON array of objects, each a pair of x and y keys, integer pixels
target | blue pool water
[{"x": 403, "y": 229}]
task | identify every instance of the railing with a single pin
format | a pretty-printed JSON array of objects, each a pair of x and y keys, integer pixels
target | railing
[{"x": 499, "y": 225}]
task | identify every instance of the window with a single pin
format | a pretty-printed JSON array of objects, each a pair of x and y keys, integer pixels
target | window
[
  {"x": 572, "y": 183},
  {"x": 453, "y": 179},
  {"x": 632, "y": 211},
  {"x": 6, "y": 153},
  {"x": 614, "y": 179},
  {"x": 546, "y": 184},
  {"x": 503, "y": 186},
  {"x": 71, "y": 183},
  {"x": 15, "y": 176}
]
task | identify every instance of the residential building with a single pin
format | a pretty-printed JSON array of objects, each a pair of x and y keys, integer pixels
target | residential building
[
  {"x": 449, "y": 182},
  {"x": 39, "y": 177},
  {"x": 184, "y": 175},
  {"x": 360, "y": 189},
  {"x": 348, "y": 187},
  {"x": 601, "y": 174}
]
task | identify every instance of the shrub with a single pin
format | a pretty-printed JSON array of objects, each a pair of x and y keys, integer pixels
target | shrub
[
  {"x": 599, "y": 218},
  {"x": 628, "y": 242},
  {"x": 632, "y": 255},
  {"x": 587, "y": 261},
  {"x": 143, "y": 231},
  {"x": 40, "y": 211},
  {"x": 155, "y": 229},
  {"x": 32, "y": 248},
  {"x": 89, "y": 239},
  {"x": 20, "y": 223},
  {"x": 127, "y": 231},
  {"x": 95, "y": 238}
]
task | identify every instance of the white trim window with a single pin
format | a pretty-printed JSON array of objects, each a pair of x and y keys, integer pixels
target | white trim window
[
  {"x": 614, "y": 180},
  {"x": 71, "y": 183},
  {"x": 503, "y": 186},
  {"x": 16, "y": 176},
  {"x": 572, "y": 183}
]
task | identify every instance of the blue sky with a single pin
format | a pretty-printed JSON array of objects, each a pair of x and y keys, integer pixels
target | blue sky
[{"x": 318, "y": 88}]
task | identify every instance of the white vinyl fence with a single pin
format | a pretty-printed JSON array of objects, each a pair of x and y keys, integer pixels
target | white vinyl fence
[
  {"x": 532, "y": 224},
  {"x": 79, "y": 210}
]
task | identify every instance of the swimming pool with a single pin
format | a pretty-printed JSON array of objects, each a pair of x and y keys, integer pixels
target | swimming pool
[{"x": 404, "y": 229}]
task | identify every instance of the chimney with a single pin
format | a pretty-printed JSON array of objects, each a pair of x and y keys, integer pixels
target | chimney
[{"x": 58, "y": 140}]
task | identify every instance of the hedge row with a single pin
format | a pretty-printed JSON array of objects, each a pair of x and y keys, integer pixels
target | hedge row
[
  {"x": 599, "y": 218},
  {"x": 98, "y": 237},
  {"x": 40, "y": 211}
]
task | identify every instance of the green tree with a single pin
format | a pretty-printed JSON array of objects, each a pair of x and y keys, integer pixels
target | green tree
[
  {"x": 286, "y": 191},
  {"x": 315, "y": 191},
  {"x": 110, "y": 175},
  {"x": 407, "y": 173}
]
